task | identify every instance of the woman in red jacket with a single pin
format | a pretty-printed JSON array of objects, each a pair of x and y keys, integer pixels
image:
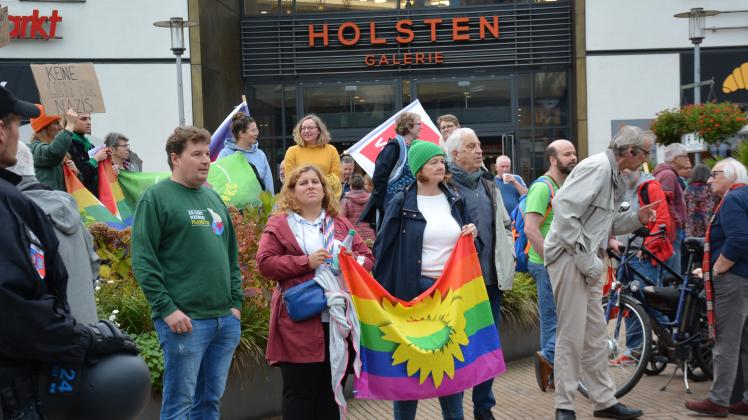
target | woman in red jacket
[{"x": 290, "y": 252}]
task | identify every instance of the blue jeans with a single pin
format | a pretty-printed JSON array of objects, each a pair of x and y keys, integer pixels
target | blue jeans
[
  {"x": 674, "y": 262},
  {"x": 451, "y": 404},
  {"x": 633, "y": 333},
  {"x": 483, "y": 398},
  {"x": 196, "y": 366},
  {"x": 547, "y": 307},
  {"x": 451, "y": 408}
]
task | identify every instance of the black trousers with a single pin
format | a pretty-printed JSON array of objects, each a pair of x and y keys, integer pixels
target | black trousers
[{"x": 307, "y": 389}]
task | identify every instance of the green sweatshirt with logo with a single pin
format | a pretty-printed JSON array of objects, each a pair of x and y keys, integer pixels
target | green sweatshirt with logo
[{"x": 184, "y": 252}]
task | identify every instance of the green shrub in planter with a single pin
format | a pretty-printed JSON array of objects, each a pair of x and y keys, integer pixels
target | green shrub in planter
[{"x": 520, "y": 305}]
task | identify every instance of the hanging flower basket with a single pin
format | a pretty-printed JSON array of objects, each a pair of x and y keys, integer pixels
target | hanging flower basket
[
  {"x": 714, "y": 122},
  {"x": 711, "y": 121},
  {"x": 670, "y": 126}
]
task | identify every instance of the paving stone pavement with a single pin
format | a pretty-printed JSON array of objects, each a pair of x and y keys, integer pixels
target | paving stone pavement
[{"x": 518, "y": 397}]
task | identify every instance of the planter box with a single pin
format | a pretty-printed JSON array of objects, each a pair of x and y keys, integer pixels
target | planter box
[
  {"x": 257, "y": 393},
  {"x": 517, "y": 341},
  {"x": 249, "y": 395}
]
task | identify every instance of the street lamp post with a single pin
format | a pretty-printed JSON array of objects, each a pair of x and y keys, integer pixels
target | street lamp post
[
  {"x": 177, "y": 25},
  {"x": 696, "y": 17}
]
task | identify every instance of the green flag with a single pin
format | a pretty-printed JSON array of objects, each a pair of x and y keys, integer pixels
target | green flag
[{"x": 231, "y": 177}]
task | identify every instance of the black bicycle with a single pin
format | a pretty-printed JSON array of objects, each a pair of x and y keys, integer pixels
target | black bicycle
[{"x": 674, "y": 309}]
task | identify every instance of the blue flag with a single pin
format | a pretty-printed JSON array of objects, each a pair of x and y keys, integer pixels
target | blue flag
[{"x": 223, "y": 131}]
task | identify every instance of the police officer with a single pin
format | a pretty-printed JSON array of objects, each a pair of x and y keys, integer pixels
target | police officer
[{"x": 36, "y": 327}]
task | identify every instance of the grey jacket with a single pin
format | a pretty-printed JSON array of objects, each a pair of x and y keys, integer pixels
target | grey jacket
[
  {"x": 504, "y": 258},
  {"x": 504, "y": 248},
  {"x": 76, "y": 246},
  {"x": 585, "y": 213}
]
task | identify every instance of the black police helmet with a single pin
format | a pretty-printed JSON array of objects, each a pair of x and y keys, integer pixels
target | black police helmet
[{"x": 116, "y": 387}]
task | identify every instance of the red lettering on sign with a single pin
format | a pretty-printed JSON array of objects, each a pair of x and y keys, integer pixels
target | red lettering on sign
[
  {"x": 313, "y": 35},
  {"x": 33, "y": 26},
  {"x": 492, "y": 27},
  {"x": 433, "y": 22},
  {"x": 373, "y": 32},
  {"x": 356, "y": 33},
  {"x": 403, "y": 27},
  {"x": 460, "y": 32}
]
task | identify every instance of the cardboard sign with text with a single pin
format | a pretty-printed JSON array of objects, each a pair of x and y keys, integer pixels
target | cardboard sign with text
[
  {"x": 366, "y": 150},
  {"x": 65, "y": 86},
  {"x": 4, "y": 27}
]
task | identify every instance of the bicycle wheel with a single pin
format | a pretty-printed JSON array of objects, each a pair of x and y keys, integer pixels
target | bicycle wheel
[{"x": 627, "y": 323}]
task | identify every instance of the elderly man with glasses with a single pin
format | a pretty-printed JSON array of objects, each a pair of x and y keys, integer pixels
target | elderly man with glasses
[{"x": 585, "y": 215}]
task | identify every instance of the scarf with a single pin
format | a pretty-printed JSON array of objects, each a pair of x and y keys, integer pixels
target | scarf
[
  {"x": 470, "y": 179},
  {"x": 706, "y": 266}
]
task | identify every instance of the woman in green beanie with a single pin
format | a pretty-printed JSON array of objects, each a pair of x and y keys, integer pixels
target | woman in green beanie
[{"x": 421, "y": 226}]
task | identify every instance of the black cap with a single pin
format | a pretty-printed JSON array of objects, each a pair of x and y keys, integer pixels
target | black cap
[{"x": 10, "y": 105}]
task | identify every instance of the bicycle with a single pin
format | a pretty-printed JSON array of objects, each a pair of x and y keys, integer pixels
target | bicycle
[{"x": 683, "y": 341}]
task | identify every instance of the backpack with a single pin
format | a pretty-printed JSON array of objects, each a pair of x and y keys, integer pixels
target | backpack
[
  {"x": 642, "y": 193},
  {"x": 521, "y": 244}
]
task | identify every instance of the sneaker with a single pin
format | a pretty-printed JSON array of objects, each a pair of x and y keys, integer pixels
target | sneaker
[
  {"x": 740, "y": 408},
  {"x": 707, "y": 407},
  {"x": 623, "y": 360}
]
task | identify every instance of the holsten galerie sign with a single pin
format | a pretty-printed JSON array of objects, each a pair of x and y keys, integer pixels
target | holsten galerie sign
[{"x": 349, "y": 34}]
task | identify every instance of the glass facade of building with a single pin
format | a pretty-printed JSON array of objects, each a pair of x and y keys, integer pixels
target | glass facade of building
[{"x": 518, "y": 98}]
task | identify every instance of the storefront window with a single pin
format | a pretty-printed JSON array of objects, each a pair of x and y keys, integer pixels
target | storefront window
[
  {"x": 551, "y": 98},
  {"x": 260, "y": 7},
  {"x": 265, "y": 106},
  {"x": 319, "y": 6},
  {"x": 471, "y": 101},
  {"x": 350, "y": 105},
  {"x": 524, "y": 100},
  {"x": 407, "y": 4}
]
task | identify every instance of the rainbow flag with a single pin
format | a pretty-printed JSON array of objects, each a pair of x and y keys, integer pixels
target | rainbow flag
[
  {"x": 91, "y": 209},
  {"x": 110, "y": 193},
  {"x": 440, "y": 343}
]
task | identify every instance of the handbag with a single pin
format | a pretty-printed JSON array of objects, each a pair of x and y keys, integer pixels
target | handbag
[{"x": 304, "y": 300}]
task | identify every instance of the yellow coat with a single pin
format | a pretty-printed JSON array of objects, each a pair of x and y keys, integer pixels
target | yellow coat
[{"x": 323, "y": 157}]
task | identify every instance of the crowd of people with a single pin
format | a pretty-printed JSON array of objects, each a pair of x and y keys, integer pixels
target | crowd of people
[{"x": 407, "y": 218}]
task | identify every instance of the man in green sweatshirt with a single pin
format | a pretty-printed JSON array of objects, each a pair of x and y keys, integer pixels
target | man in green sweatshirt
[{"x": 185, "y": 258}]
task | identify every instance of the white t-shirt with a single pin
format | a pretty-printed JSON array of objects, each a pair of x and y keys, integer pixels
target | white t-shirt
[{"x": 440, "y": 235}]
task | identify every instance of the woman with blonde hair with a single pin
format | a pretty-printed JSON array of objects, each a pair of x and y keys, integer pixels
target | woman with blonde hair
[
  {"x": 313, "y": 148},
  {"x": 293, "y": 250}
]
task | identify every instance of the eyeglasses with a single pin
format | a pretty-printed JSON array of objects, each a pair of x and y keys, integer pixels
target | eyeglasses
[
  {"x": 715, "y": 173},
  {"x": 448, "y": 127},
  {"x": 646, "y": 152},
  {"x": 309, "y": 128}
]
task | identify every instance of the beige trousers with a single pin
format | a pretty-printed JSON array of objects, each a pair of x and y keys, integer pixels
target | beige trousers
[{"x": 581, "y": 348}]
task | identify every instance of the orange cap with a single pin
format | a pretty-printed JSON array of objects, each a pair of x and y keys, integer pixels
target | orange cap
[{"x": 43, "y": 120}]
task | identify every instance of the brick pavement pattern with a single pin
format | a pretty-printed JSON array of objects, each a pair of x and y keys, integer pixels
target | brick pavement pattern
[{"x": 518, "y": 397}]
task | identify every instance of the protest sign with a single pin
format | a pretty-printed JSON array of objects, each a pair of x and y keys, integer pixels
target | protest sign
[
  {"x": 4, "y": 27},
  {"x": 65, "y": 86},
  {"x": 366, "y": 150}
]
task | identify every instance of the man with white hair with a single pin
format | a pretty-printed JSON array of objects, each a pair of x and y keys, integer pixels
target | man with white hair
[
  {"x": 486, "y": 209},
  {"x": 512, "y": 186},
  {"x": 666, "y": 173},
  {"x": 585, "y": 214},
  {"x": 76, "y": 244}
]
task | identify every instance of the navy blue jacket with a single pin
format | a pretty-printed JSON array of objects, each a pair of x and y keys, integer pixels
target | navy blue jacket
[
  {"x": 385, "y": 163},
  {"x": 729, "y": 234},
  {"x": 399, "y": 243}
]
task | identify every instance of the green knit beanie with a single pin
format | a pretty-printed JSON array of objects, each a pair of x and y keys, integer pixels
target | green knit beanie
[{"x": 421, "y": 152}]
